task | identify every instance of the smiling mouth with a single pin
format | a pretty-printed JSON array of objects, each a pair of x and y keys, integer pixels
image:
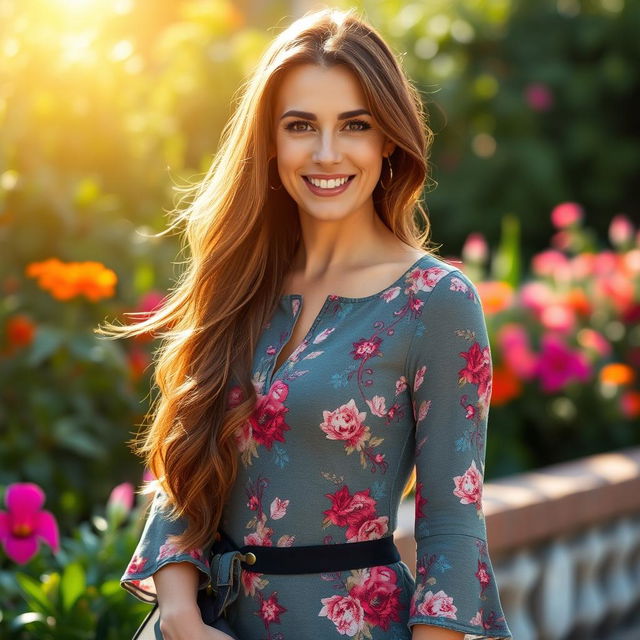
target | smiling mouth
[{"x": 324, "y": 183}]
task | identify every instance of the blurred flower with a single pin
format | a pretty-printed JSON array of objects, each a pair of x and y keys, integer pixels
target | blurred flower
[
  {"x": 630, "y": 403},
  {"x": 475, "y": 249},
  {"x": 24, "y": 522},
  {"x": 120, "y": 503},
  {"x": 562, "y": 240},
  {"x": 566, "y": 214},
  {"x": 20, "y": 330},
  {"x": 516, "y": 350},
  {"x": 138, "y": 360},
  {"x": 559, "y": 365},
  {"x": 67, "y": 280},
  {"x": 621, "y": 231},
  {"x": 594, "y": 341},
  {"x": 553, "y": 264},
  {"x": 505, "y": 386},
  {"x": 558, "y": 317},
  {"x": 149, "y": 302},
  {"x": 617, "y": 374},
  {"x": 536, "y": 296},
  {"x": 495, "y": 295},
  {"x": 577, "y": 300},
  {"x": 538, "y": 96}
]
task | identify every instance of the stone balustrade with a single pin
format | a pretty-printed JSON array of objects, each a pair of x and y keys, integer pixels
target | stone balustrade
[{"x": 564, "y": 542}]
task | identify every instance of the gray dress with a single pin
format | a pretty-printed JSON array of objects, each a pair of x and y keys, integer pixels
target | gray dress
[{"x": 378, "y": 384}]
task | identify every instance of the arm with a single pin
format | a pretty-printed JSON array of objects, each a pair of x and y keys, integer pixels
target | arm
[
  {"x": 429, "y": 632},
  {"x": 154, "y": 552},
  {"x": 449, "y": 371}
]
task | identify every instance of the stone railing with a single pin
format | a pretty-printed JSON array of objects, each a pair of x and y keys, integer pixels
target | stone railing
[{"x": 564, "y": 542}]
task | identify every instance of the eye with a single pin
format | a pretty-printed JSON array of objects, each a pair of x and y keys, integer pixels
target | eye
[
  {"x": 291, "y": 126},
  {"x": 362, "y": 123}
]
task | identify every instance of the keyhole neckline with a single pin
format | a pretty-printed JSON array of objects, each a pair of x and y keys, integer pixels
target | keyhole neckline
[{"x": 373, "y": 296}]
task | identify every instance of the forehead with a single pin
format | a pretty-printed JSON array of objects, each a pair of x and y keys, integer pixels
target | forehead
[{"x": 310, "y": 87}]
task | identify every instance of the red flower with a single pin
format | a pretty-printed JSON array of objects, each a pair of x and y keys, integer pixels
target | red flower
[
  {"x": 366, "y": 348},
  {"x": 350, "y": 509},
  {"x": 270, "y": 610},
  {"x": 268, "y": 419},
  {"x": 378, "y": 596}
]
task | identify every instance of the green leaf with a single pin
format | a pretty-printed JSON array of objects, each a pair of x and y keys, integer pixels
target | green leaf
[
  {"x": 34, "y": 594},
  {"x": 46, "y": 342},
  {"x": 73, "y": 584}
]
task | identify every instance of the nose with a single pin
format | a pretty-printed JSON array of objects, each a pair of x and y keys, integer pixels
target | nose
[{"x": 326, "y": 150}]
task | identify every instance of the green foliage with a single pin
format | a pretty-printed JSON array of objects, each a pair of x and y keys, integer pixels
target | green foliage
[{"x": 75, "y": 594}]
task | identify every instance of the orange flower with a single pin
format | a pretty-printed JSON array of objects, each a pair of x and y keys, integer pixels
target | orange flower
[
  {"x": 505, "y": 386},
  {"x": 617, "y": 374},
  {"x": 20, "y": 330},
  {"x": 577, "y": 299},
  {"x": 495, "y": 295},
  {"x": 67, "y": 280}
]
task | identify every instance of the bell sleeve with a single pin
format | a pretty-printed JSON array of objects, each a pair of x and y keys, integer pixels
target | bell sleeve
[
  {"x": 449, "y": 373},
  {"x": 154, "y": 551}
]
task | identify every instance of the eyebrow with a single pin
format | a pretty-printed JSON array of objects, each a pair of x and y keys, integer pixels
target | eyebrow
[{"x": 312, "y": 116}]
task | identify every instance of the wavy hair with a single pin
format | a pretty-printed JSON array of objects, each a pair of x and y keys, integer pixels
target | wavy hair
[{"x": 211, "y": 320}]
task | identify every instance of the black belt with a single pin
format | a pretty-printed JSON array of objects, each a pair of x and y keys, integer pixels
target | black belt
[{"x": 319, "y": 558}]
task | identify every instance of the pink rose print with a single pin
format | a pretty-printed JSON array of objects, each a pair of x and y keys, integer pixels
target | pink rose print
[
  {"x": 345, "y": 612},
  {"x": 137, "y": 564},
  {"x": 268, "y": 419},
  {"x": 368, "y": 530},
  {"x": 346, "y": 423},
  {"x": 261, "y": 536},
  {"x": 366, "y": 348},
  {"x": 424, "y": 279},
  {"x": 469, "y": 486},
  {"x": 269, "y": 609},
  {"x": 458, "y": 285},
  {"x": 379, "y": 596},
  {"x": 484, "y": 578},
  {"x": 278, "y": 508},
  {"x": 349, "y": 509},
  {"x": 401, "y": 385},
  {"x": 438, "y": 604},
  {"x": 167, "y": 550}
]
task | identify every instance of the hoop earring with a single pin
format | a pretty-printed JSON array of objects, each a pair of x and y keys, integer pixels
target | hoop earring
[
  {"x": 390, "y": 174},
  {"x": 270, "y": 185}
]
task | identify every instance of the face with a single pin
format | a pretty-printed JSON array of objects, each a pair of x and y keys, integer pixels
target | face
[{"x": 324, "y": 132}]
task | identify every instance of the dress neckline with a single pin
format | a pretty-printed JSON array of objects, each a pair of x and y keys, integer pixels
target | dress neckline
[{"x": 396, "y": 282}]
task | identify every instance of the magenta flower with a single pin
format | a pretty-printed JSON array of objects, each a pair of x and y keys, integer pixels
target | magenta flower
[
  {"x": 475, "y": 249},
  {"x": 24, "y": 522},
  {"x": 621, "y": 231},
  {"x": 558, "y": 365},
  {"x": 120, "y": 502},
  {"x": 538, "y": 96}
]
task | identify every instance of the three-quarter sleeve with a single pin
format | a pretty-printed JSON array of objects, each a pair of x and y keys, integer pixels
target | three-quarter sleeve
[
  {"x": 154, "y": 551},
  {"x": 449, "y": 374}
]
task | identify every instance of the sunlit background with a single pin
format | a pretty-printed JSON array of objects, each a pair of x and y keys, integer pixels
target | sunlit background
[{"x": 106, "y": 106}]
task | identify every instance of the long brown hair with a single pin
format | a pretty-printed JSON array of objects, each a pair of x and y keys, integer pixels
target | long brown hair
[{"x": 242, "y": 237}]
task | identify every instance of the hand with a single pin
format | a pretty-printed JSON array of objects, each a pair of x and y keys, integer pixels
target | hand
[{"x": 215, "y": 634}]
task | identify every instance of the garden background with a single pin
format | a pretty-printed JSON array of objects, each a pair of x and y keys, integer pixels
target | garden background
[{"x": 107, "y": 107}]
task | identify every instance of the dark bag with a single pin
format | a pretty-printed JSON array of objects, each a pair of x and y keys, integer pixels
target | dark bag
[{"x": 225, "y": 568}]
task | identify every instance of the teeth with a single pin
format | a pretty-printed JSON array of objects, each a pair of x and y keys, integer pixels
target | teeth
[{"x": 327, "y": 184}]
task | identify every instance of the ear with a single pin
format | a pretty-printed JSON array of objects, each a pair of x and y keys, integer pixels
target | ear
[{"x": 389, "y": 148}]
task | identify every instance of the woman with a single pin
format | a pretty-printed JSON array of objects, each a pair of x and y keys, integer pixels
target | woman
[{"x": 316, "y": 352}]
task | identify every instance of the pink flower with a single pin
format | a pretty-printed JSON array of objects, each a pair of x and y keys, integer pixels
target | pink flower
[
  {"x": 378, "y": 595},
  {"x": 261, "y": 536},
  {"x": 566, "y": 214},
  {"x": 368, "y": 530},
  {"x": 552, "y": 264},
  {"x": 268, "y": 418},
  {"x": 346, "y": 423},
  {"x": 401, "y": 385},
  {"x": 538, "y": 96},
  {"x": 469, "y": 486},
  {"x": 621, "y": 231},
  {"x": 365, "y": 349},
  {"x": 438, "y": 604},
  {"x": 251, "y": 581},
  {"x": 270, "y": 609},
  {"x": 536, "y": 296},
  {"x": 558, "y": 317},
  {"x": 25, "y": 522},
  {"x": 477, "y": 370},
  {"x": 559, "y": 365},
  {"x": 378, "y": 406},
  {"x": 475, "y": 250},
  {"x": 390, "y": 294},
  {"x": 120, "y": 502},
  {"x": 424, "y": 279},
  {"x": 595, "y": 341},
  {"x": 136, "y": 565},
  {"x": 516, "y": 350},
  {"x": 345, "y": 612}
]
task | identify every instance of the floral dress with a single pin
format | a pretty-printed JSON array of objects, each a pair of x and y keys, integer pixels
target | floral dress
[{"x": 378, "y": 384}]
